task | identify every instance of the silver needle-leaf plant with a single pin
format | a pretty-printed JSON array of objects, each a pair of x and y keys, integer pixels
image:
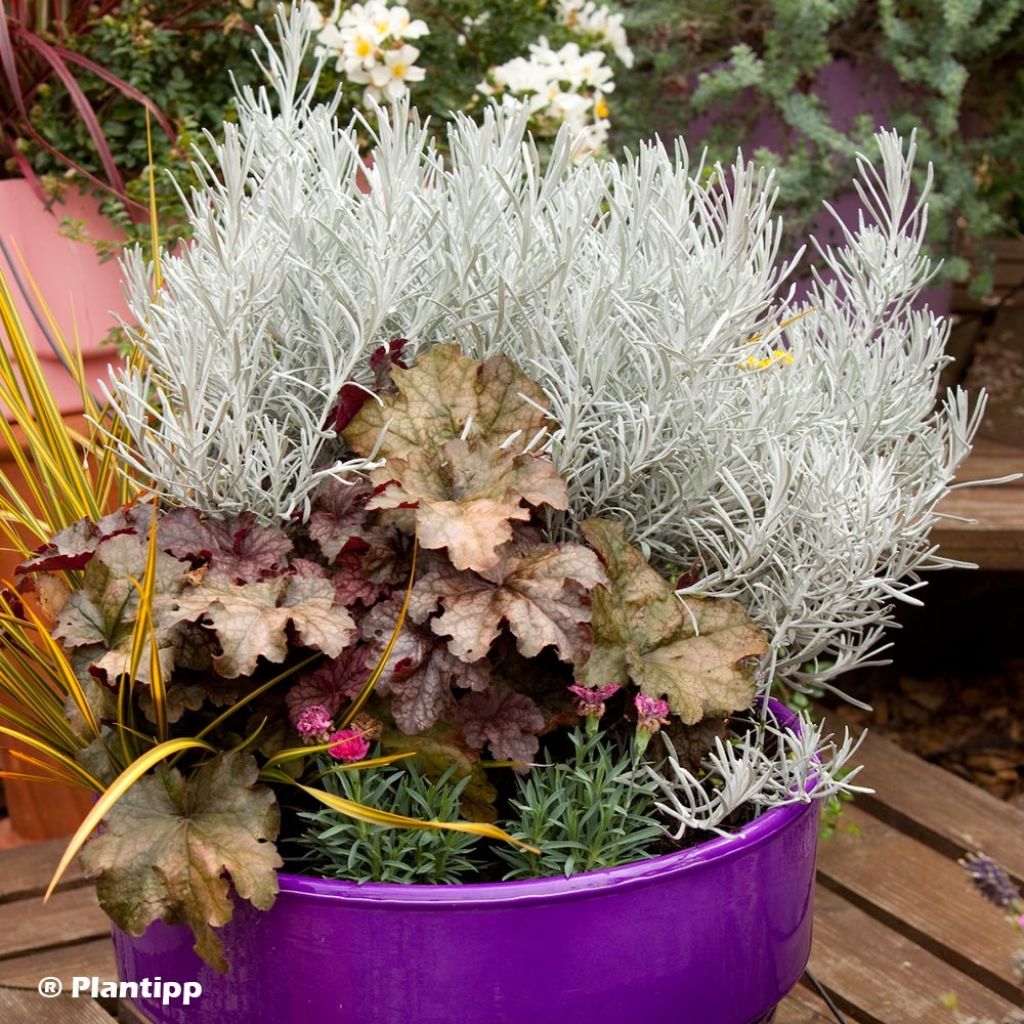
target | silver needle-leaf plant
[{"x": 789, "y": 455}]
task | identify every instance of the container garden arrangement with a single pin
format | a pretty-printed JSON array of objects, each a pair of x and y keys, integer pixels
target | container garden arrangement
[{"x": 414, "y": 603}]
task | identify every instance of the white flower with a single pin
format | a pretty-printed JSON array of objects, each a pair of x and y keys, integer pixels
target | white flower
[
  {"x": 314, "y": 17},
  {"x": 563, "y": 86},
  {"x": 399, "y": 68},
  {"x": 586, "y": 17},
  {"x": 368, "y": 40},
  {"x": 404, "y": 28}
]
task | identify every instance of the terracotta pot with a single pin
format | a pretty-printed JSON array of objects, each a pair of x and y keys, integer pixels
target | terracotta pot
[{"x": 84, "y": 298}]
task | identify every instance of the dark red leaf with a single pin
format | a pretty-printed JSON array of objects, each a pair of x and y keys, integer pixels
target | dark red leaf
[
  {"x": 79, "y": 100},
  {"x": 506, "y": 721},
  {"x": 352, "y": 396},
  {"x": 333, "y": 684}
]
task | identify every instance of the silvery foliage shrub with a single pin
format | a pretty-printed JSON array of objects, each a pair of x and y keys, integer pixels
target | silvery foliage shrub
[
  {"x": 799, "y": 462},
  {"x": 769, "y": 767}
]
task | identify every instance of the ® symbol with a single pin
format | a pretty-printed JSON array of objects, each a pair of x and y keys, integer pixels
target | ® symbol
[{"x": 50, "y": 987}]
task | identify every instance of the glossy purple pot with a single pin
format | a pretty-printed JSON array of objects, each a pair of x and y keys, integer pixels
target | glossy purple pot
[{"x": 717, "y": 934}]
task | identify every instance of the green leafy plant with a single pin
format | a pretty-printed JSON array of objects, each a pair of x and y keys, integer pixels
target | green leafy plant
[
  {"x": 89, "y": 77},
  {"x": 949, "y": 70},
  {"x": 560, "y": 57},
  {"x": 337, "y": 846},
  {"x": 590, "y": 810}
]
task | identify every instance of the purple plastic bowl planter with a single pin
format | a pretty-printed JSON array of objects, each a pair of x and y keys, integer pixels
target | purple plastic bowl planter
[{"x": 715, "y": 934}]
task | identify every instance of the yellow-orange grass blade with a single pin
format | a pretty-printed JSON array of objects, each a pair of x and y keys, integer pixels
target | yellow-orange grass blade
[
  {"x": 145, "y": 630},
  {"x": 295, "y": 753},
  {"x": 35, "y": 779},
  {"x": 63, "y": 671},
  {"x": 253, "y": 694},
  {"x": 50, "y": 750},
  {"x": 154, "y": 221},
  {"x": 24, "y": 390},
  {"x": 114, "y": 792},
  {"x": 372, "y": 762},
  {"x": 55, "y": 773},
  {"x": 95, "y": 442}
]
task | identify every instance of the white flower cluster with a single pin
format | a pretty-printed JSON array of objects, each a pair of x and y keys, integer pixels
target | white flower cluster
[
  {"x": 371, "y": 44},
  {"x": 564, "y": 86},
  {"x": 587, "y": 17}
]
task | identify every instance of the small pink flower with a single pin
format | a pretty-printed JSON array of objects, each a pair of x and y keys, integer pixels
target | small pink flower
[
  {"x": 314, "y": 722},
  {"x": 651, "y": 713},
  {"x": 348, "y": 745},
  {"x": 590, "y": 699}
]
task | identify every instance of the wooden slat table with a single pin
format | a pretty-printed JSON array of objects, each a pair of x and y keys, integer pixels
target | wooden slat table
[{"x": 897, "y": 925}]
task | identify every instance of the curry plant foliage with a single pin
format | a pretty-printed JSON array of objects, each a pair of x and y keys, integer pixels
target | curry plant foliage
[{"x": 693, "y": 398}]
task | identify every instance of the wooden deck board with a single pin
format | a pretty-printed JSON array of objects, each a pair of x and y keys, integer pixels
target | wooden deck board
[
  {"x": 28, "y": 869},
  {"x": 885, "y": 977},
  {"x": 20, "y": 1007},
  {"x": 805, "y": 1007},
  {"x": 993, "y": 535},
  {"x": 946, "y": 812},
  {"x": 68, "y": 917},
  {"x": 879, "y": 870},
  {"x": 92, "y": 958},
  {"x": 897, "y": 925}
]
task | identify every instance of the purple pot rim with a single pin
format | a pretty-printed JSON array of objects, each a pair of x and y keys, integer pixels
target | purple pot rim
[{"x": 761, "y": 830}]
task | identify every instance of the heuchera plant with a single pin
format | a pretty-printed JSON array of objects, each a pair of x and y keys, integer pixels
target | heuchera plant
[
  {"x": 446, "y": 458},
  {"x": 465, "y": 478}
]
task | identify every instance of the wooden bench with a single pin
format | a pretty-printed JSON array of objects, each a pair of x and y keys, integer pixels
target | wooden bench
[
  {"x": 995, "y": 538},
  {"x": 897, "y": 924}
]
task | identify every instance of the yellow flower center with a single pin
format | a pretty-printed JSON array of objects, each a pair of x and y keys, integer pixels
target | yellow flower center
[{"x": 363, "y": 46}]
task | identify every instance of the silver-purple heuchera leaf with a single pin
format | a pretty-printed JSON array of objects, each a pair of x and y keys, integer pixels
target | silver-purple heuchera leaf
[
  {"x": 251, "y": 620},
  {"x": 332, "y": 684},
  {"x": 75, "y": 545},
  {"x": 237, "y": 549},
  {"x": 505, "y": 722},
  {"x": 422, "y": 674},
  {"x": 539, "y": 591}
]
